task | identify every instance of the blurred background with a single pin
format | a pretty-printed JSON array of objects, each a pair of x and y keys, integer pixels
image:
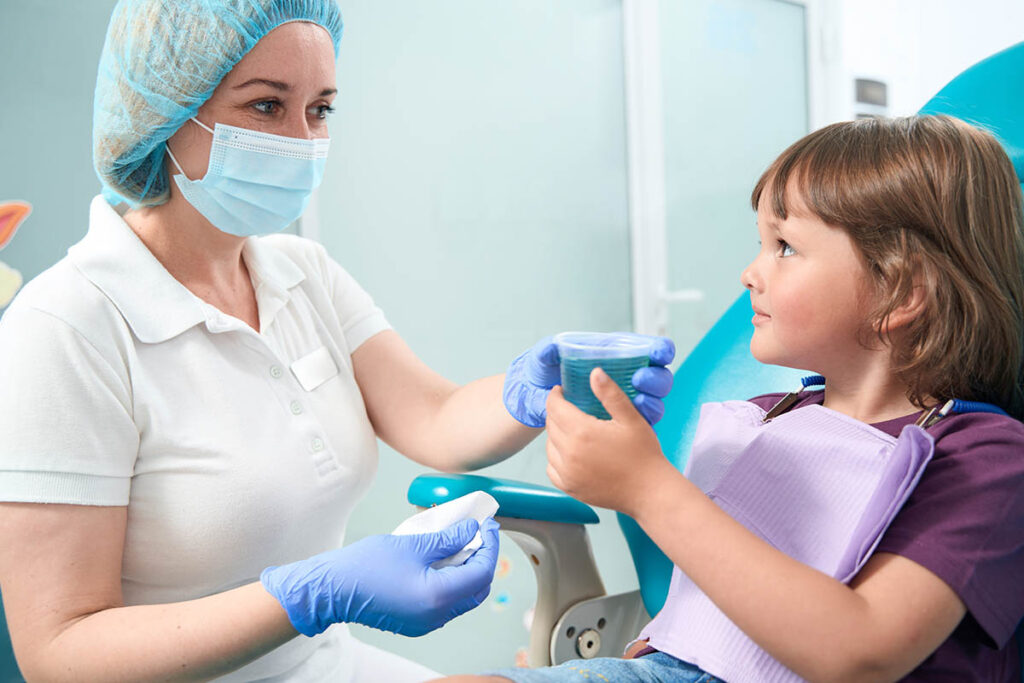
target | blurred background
[{"x": 504, "y": 170}]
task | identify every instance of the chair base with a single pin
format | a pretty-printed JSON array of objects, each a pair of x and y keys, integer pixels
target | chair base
[{"x": 599, "y": 627}]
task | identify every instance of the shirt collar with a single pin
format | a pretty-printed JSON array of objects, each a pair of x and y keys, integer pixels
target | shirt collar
[
  {"x": 272, "y": 274},
  {"x": 155, "y": 305},
  {"x": 270, "y": 268}
]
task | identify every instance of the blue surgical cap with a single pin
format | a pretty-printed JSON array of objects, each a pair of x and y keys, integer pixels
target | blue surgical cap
[{"x": 162, "y": 59}]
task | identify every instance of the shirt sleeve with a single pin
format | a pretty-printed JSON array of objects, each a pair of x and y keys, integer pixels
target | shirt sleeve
[
  {"x": 965, "y": 520},
  {"x": 361, "y": 317},
  {"x": 66, "y": 428}
]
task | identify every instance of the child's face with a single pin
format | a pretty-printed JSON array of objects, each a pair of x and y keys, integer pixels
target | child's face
[{"x": 807, "y": 286}]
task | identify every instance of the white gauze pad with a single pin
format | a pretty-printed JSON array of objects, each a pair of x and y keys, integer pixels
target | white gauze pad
[{"x": 477, "y": 505}]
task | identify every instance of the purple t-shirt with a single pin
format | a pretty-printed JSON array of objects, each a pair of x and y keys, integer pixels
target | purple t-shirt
[{"x": 965, "y": 523}]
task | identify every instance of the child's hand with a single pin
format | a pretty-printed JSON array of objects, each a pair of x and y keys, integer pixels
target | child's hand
[{"x": 608, "y": 463}]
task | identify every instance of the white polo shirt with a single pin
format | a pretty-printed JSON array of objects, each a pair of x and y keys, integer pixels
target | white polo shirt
[{"x": 233, "y": 450}]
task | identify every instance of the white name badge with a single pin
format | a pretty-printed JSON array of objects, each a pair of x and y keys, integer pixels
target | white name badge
[{"x": 314, "y": 368}]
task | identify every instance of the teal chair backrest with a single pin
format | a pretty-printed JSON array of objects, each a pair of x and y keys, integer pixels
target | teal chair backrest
[
  {"x": 990, "y": 95},
  {"x": 9, "y": 672}
]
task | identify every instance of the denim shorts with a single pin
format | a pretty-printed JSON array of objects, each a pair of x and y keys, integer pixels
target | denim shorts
[{"x": 656, "y": 667}]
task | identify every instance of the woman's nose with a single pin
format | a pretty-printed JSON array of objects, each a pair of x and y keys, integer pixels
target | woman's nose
[{"x": 297, "y": 126}]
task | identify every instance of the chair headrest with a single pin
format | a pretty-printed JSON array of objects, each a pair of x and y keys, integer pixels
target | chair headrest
[{"x": 990, "y": 95}]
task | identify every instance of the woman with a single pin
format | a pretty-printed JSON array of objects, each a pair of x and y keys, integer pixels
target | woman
[{"x": 196, "y": 410}]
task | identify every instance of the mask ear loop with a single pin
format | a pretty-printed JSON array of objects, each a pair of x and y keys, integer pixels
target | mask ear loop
[
  {"x": 201, "y": 125},
  {"x": 171, "y": 154},
  {"x": 175, "y": 161}
]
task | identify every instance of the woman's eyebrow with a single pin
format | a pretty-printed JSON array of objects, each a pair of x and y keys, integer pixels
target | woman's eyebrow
[
  {"x": 276, "y": 85},
  {"x": 279, "y": 85}
]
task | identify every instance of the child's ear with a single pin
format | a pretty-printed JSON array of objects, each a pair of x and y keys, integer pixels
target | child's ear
[{"x": 913, "y": 305}]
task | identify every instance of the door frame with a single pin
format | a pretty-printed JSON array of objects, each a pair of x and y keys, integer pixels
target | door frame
[{"x": 645, "y": 141}]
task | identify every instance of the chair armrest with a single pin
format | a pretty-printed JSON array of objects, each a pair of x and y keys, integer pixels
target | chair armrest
[
  {"x": 515, "y": 498},
  {"x": 549, "y": 527}
]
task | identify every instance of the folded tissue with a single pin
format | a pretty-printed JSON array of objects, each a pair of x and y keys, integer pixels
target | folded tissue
[{"x": 477, "y": 505}]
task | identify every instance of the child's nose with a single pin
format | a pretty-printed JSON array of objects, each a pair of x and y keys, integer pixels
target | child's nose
[{"x": 749, "y": 277}]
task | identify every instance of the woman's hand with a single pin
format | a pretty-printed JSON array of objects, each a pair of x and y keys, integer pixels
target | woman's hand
[
  {"x": 608, "y": 463},
  {"x": 386, "y": 582},
  {"x": 533, "y": 373}
]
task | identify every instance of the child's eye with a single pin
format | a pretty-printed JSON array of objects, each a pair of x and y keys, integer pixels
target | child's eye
[{"x": 785, "y": 249}]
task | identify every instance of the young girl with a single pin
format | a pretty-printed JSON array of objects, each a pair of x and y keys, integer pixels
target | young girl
[{"x": 826, "y": 536}]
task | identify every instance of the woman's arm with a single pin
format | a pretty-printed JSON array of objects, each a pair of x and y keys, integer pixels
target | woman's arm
[
  {"x": 893, "y": 615},
  {"x": 431, "y": 420},
  {"x": 60, "y": 568}
]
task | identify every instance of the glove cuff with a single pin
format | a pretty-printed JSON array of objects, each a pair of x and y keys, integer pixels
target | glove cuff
[
  {"x": 520, "y": 398},
  {"x": 298, "y": 607}
]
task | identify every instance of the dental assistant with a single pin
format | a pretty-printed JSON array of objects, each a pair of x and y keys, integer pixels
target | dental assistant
[{"x": 190, "y": 410}]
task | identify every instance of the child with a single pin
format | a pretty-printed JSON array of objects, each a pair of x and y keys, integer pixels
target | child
[{"x": 849, "y": 544}]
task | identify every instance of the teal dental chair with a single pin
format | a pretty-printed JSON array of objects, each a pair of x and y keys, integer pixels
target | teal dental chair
[
  {"x": 9, "y": 672},
  {"x": 574, "y": 617}
]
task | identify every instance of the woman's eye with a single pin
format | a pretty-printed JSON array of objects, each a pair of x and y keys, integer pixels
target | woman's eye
[
  {"x": 266, "y": 107},
  {"x": 322, "y": 111},
  {"x": 785, "y": 249}
]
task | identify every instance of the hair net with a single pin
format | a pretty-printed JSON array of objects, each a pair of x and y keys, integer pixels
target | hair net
[{"x": 161, "y": 60}]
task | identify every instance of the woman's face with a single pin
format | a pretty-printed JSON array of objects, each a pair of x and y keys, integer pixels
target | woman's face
[{"x": 284, "y": 85}]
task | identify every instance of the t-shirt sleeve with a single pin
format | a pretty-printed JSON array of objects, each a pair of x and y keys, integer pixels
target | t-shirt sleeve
[
  {"x": 361, "y": 317},
  {"x": 965, "y": 520},
  {"x": 66, "y": 429}
]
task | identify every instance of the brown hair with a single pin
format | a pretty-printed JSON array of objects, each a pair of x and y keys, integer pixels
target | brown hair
[{"x": 931, "y": 201}]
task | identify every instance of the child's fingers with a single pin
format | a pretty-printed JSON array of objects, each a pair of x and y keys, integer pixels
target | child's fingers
[
  {"x": 554, "y": 461},
  {"x": 612, "y": 397},
  {"x": 551, "y": 403},
  {"x": 556, "y": 434},
  {"x": 561, "y": 411},
  {"x": 555, "y": 479}
]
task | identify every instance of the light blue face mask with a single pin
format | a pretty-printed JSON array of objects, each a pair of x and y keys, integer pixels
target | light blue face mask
[{"x": 256, "y": 183}]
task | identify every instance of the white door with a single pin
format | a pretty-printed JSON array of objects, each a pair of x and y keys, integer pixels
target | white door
[{"x": 728, "y": 84}]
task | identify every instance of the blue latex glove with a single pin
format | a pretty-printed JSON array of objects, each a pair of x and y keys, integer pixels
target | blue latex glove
[
  {"x": 386, "y": 582},
  {"x": 531, "y": 375}
]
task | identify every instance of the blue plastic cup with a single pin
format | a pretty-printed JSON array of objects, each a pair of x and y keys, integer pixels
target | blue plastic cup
[{"x": 620, "y": 354}]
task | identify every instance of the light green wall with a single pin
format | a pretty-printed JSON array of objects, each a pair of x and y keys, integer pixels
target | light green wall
[
  {"x": 49, "y": 50},
  {"x": 477, "y": 189},
  {"x": 735, "y": 95}
]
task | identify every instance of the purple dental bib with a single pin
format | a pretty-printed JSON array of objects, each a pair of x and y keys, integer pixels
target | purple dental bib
[{"x": 816, "y": 484}]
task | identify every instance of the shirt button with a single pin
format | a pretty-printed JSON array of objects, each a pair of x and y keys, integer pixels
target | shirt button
[
  {"x": 296, "y": 408},
  {"x": 317, "y": 444},
  {"x": 275, "y": 371}
]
